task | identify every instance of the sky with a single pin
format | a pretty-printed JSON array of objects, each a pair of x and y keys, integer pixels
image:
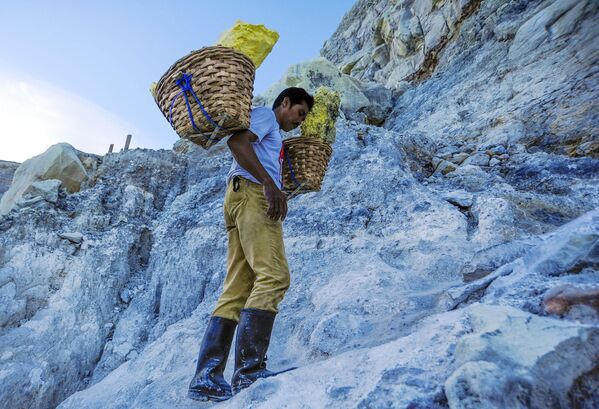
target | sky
[{"x": 80, "y": 71}]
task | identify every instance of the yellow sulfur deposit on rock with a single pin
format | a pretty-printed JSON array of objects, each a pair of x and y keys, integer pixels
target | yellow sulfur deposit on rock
[
  {"x": 254, "y": 40},
  {"x": 320, "y": 122}
]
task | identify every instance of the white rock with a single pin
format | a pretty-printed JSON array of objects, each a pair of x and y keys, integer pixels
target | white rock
[
  {"x": 48, "y": 189},
  {"x": 458, "y": 158},
  {"x": 497, "y": 220},
  {"x": 496, "y": 150},
  {"x": 447, "y": 151},
  {"x": 125, "y": 295},
  {"x": 60, "y": 162},
  {"x": 459, "y": 198},
  {"x": 478, "y": 159},
  {"x": 74, "y": 237},
  {"x": 22, "y": 202}
]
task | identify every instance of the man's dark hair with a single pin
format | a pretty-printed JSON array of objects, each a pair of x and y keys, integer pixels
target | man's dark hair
[{"x": 296, "y": 96}]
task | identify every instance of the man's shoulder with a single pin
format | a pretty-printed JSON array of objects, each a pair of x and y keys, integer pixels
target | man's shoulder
[
  {"x": 263, "y": 119},
  {"x": 263, "y": 111}
]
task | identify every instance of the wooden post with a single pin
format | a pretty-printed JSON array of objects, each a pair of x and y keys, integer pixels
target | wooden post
[
  {"x": 111, "y": 148},
  {"x": 127, "y": 142}
]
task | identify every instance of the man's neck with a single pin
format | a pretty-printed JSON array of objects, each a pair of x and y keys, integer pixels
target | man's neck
[{"x": 277, "y": 112}]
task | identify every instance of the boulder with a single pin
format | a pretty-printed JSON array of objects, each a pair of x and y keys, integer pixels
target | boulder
[
  {"x": 59, "y": 162},
  {"x": 371, "y": 99}
]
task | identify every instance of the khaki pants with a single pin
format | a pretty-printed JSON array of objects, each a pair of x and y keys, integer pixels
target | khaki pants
[{"x": 257, "y": 271}]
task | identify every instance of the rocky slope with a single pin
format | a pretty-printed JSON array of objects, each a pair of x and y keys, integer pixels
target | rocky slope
[
  {"x": 425, "y": 274},
  {"x": 7, "y": 170}
]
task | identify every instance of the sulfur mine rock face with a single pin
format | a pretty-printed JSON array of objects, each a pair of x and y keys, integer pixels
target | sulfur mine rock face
[{"x": 320, "y": 122}]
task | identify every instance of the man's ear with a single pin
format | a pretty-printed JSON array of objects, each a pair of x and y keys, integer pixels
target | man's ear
[{"x": 286, "y": 102}]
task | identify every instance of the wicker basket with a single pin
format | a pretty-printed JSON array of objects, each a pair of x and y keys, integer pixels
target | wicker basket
[
  {"x": 305, "y": 163},
  {"x": 216, "y": 85}
]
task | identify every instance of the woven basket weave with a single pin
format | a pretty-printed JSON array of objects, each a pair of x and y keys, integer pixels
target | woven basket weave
[
  {"x": 223, "y": 81},
  {"x": 309, "y": 159}
]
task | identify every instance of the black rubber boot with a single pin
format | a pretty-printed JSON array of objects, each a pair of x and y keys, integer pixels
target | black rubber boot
[
  {"x": 208, "y": 382},
  {"x": 251, "y": 344}
]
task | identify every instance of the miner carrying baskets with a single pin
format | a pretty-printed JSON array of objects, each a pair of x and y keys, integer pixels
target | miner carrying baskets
[{"x": 206, "y": 96}]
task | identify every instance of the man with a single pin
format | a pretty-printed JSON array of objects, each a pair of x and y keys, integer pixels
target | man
[{"x": 257, "y": 271}]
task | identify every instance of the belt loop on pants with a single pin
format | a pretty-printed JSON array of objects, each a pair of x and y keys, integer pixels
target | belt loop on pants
[{"x": 236, "y": 183}]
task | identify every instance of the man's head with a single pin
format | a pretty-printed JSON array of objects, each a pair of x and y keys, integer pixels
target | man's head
[{"x": 291, "y": 107}]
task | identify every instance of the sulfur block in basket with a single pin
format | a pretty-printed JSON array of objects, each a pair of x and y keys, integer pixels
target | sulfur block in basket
[
  {"x": 320, "y": 122},
  {"x": 254, "y": 40}
]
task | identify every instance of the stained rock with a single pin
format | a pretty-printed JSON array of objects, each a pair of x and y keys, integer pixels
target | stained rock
[{"x": 558, "y": 300}]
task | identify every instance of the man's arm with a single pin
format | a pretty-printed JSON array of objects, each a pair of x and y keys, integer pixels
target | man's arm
[{"x": 243, "y": 152}]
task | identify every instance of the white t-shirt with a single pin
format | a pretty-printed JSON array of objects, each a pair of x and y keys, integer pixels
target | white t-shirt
[{"x": 268, "y": 147}]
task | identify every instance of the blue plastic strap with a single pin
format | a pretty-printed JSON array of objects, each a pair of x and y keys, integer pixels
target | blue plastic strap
[
  {"x": 184, "y": 82},
  {"x": 291, "y": 169}
]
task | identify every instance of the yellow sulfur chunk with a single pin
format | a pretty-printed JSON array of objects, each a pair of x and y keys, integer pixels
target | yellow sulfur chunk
[
  {"x": 320, "y": 122},
  {"x": 254, "y": 40},
  {"x": 153, "y": 89}
]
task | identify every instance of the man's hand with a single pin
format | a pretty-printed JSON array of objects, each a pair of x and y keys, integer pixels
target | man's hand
[
  {"x": 244, "y": 154},
  {"x": 277, "y": 201}
]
